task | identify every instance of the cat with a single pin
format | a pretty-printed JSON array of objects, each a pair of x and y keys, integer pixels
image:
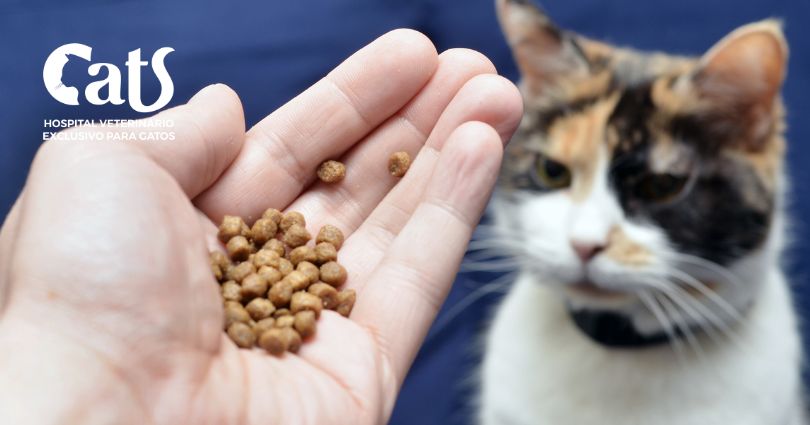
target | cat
[{"x": 643, "y": 199}]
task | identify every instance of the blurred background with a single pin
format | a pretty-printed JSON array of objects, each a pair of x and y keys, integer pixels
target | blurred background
[{"x": 269, "y": 51}]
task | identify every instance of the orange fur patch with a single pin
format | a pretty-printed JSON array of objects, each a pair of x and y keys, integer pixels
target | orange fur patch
[
  {"x": 623, "y": 250},
  {"x": 577, "y": 142}
]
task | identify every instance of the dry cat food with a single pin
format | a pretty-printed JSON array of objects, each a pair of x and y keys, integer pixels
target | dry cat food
[
  {"x": 331, "y": 171},
  {"x": 398, "y": 163},
  {"x": 274, "y": 284}
]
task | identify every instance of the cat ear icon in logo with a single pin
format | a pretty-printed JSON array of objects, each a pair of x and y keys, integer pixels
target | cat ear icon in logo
[{"x": 52, "y": 72}]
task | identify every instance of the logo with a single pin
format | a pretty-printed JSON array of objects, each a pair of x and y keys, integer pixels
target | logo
[{"x": 55, "y": 64}]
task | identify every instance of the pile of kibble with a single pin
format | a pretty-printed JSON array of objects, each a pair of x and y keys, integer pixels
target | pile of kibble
[{"x": 274, "y": 286}]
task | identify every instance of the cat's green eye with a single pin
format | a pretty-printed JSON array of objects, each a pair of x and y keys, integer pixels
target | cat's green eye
[
  {"x": 550, "y": 174},
  {"x": 660, "y": 188}
]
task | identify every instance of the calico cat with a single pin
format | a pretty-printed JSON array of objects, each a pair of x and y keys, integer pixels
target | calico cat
[{"x": 643, "y": 198}]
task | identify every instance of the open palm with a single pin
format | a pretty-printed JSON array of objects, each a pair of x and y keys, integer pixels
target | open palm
[{"x": 108, "y": 310}]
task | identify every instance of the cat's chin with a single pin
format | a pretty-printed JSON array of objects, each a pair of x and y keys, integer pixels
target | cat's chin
[
  {"x": 590, "y": 289},
  {"x": 608, "y": 316},
  {"x": 589, "y": 295}
]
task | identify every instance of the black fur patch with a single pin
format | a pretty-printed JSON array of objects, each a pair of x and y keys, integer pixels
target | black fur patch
[
  {"x": 614, "y": 330},
  {"x": 713, "y": 220},
  {"x": 548, "y": 116}
]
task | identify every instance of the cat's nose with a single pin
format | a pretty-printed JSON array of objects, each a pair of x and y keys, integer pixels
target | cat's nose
[{"x": 586, "y": 250}]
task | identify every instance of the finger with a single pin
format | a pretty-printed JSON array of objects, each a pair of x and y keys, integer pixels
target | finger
[
  {"x": 348, "y": 203},
  {"x": 499, "y": 104},
  {"x": 409, "y": 285},
  {"x": 283, "y": 150},
  {"x": 7, "y": 236},
  {"x": 208, "y": 134}
]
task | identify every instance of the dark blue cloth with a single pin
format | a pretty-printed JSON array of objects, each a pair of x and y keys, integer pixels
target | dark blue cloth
[{"x": 270, "y": 51}]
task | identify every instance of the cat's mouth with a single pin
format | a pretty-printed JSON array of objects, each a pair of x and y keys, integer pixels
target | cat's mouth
[{"x": 591, "y": 290}]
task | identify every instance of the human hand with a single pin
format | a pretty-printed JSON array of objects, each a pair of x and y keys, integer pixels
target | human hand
[{"x": 109, "y": 312}]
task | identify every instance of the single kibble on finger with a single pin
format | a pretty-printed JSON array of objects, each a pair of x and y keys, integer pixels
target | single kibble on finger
[
  {"x": 240, "y": 271},
  {"x": 330, "y": 234},
  {"x": 327, "y": 293},
  {"x": 398, "y": 163},
  {"x": 273, "y": 214},
  {"x": 266, "y": 257},
  {"x": 302, "y": 253},
  {"x": 285, "y": 321},
  {"x": 239, "y": 248},
  {"x": 290, "y": 218},
  {"x": 253, "y": 286},
  {"x": 285, "y": 266},
  {"x": 234, "y": 312},
  {"x": 231, "y": 291},
  {"x": 298, "y": 280},
  {"x": 346, "y": 301},
  {"x": 260, "y": 308},
  {"x": 263, "y": 325},
  {"x": 263, "y": 230},
  {"x": 302, "y": 301},
  {"x": 241, "y": 334},
  {"x": 232, "y": 226},
  {"x": 293, "y": 339},
  {"x": 297, "y": 235},
  {"x": 276, "y": 246},
  {"x": 282, "y": 312},
  {"x": 331, "y": 171},
  {"x": 305, "y": 323},
  {"x": 333, "y": 273},
  {"x": 269, "y": 274},
  {"x": 325, "y": 252},
  {"x": 280, "y": 294},
  {"x": 273, "y": 341},
  {"x": 310, "y": 270}
]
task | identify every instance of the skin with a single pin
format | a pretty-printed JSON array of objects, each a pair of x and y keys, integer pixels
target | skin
[{"x": 109, "y": 312}]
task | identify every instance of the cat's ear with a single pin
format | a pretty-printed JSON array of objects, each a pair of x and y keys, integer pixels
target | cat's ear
[
  {"x": 743, "y": 73},
  {"x": 544, "y": 53}
]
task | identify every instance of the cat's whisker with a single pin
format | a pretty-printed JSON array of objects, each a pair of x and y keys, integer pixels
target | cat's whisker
[
  {"x": 508, "y": 244},
  {"x": 677, "y": 293},
  {"x": 681, "y": 323},
  {"x": 685, "y": 301},
  {"x": 715, "y": 321},
  {"x": 647, "y": 299},
  {"x": 486, "y": 231},
  {"x": 494, "y": 253},
  {"x": 489, "y": 253},
  {"x": 493, "y": 265},
  {"x": 489, "y": 241},
  {"x": 501, "y": 284},
  {"x": 708, "y": 293},
  {"x": 694, "y": 260},
  {"x": 506, "y": 255}
]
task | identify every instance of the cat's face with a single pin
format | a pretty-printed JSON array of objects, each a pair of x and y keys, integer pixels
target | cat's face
[{"x": 645, "y": 184}]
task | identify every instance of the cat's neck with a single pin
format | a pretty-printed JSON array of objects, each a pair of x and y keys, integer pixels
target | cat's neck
[{"x": 533, "y": 336}]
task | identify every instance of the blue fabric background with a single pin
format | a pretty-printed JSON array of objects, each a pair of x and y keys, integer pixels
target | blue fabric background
[{"x": 270, "y": 50}]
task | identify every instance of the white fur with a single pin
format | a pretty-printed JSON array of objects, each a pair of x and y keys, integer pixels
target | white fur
[{"x": 540, "y": 369}]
